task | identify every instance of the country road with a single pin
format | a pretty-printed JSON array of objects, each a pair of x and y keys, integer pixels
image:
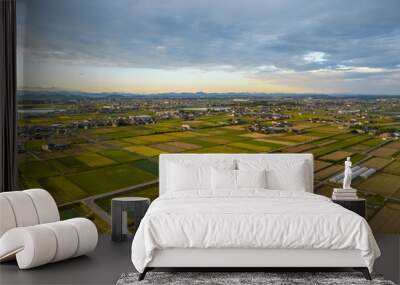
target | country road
[
  {"x": 98, "y": 210},
  {"x": 89, "y": 201}
]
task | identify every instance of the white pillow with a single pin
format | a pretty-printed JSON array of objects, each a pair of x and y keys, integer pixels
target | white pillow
[
  {"x": 230, "y": 180},
  {"x": 223, "y": 179},
  {"x": 183, "y": 174},
  {"x": 251, "y": 179},
  {"x": 283, "y": 174},
  {"x": 188, "y": 177}
]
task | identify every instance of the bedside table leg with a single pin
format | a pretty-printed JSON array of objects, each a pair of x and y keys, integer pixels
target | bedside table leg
[{"x": 116, "y": 224}]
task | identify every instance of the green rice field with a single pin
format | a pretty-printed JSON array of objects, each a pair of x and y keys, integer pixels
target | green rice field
[{"x": 106, "y": 159}]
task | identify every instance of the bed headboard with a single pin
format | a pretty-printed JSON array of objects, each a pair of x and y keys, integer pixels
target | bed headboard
[{"x": 165, "y": 158}]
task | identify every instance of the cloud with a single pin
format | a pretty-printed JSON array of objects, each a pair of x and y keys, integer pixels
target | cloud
[
  {"x": 267, "y": 68},
  {"x": 315, "y": 57},
  {"x": 253, "y": 36},
  {"x": 360, "y": 69},
  {"x": 271, "y": 69},
  {"x": 161, "y": 48},
  {"x": 356, "y": 72}
]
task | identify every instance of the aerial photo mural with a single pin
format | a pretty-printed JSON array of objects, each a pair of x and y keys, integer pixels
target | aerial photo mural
[{"x": 104, "y": 87}]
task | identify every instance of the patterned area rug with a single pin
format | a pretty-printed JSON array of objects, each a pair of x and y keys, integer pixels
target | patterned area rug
[{"x": 229, "y": 278}]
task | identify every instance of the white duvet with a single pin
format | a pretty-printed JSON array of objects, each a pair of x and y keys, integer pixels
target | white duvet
[{"x": 250, "y": 219}]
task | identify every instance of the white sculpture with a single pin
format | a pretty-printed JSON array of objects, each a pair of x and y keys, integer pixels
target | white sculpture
[{"x": 347, "y": 174}]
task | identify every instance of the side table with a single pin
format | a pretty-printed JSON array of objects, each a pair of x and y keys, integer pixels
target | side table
[
  {"x": 119, "y": 208},
  {"x": 357, "y": 206}
]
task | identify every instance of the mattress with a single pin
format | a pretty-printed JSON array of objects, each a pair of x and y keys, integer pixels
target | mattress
[{"x": 251, "y": 219}]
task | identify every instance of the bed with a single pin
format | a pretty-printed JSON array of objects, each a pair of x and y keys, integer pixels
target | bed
[{"x": 246, "y": 211}]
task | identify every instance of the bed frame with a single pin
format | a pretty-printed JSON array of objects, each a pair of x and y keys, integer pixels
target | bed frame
[
  {"x": 246, "y": 259},
  {"x": 249, "y": 259},
  {"x": 233, "y": 257}
]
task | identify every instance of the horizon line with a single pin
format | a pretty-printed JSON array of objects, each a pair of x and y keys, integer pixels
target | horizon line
[{"x": 199, "y": 92}]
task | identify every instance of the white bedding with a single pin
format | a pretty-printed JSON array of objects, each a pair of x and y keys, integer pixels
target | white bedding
[{"x": 250, "y": 219}]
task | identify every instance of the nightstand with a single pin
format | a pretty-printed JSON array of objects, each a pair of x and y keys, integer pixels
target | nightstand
[
  {"x": 119, "y": 208},
  {"x": 358, "y": 206}
]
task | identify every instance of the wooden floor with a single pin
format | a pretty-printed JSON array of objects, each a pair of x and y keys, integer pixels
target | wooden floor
[{"x": 110, "y": 260}]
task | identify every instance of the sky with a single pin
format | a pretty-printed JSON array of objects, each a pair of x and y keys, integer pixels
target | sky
[{"x": 156, "y": 46}]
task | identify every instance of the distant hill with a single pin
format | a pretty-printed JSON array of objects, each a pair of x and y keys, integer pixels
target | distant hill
[{"x": 51, "y": 95}]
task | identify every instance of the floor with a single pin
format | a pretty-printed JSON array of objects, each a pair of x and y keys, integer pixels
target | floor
[
  {"x": 103, "y": 266},
  {"x": 110, "y": 260}
]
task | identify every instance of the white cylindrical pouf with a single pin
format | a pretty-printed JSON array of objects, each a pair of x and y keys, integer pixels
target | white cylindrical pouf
[
  {"x": 87, "y": 235},
  {"x": 7, "y": 218},
  {"x": 67, "y": 240},
  {"x": 23, "y": 208},
  {"x": 45, "y": 205},
  {"x": 40, "y": 247},
  {"x": 37, "y": 245},
  {"x": 34, "y": 246}
]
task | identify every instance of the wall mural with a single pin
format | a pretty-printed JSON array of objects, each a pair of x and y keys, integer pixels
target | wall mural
[{"x": 104, "y": 87}]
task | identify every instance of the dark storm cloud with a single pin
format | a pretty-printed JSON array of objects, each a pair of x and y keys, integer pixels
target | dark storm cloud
[{"x": 299, "y": 36}]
